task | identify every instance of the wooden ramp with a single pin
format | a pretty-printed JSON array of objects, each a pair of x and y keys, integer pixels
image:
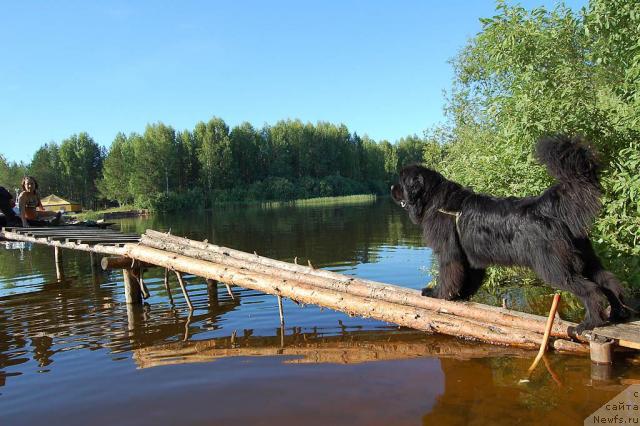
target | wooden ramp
[
  {"x": 307, "y": 285},
  {"x": 74, "y": 237},
  {"x": 627, "y": 334}
]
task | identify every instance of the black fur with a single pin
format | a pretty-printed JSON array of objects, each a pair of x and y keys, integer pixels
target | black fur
[{"x": 547, "y": 233}]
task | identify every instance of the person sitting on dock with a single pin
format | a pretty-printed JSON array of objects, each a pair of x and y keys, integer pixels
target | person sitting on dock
[
  {"x": 31, "y": 210},
  {"x": 7, "y": 203}
]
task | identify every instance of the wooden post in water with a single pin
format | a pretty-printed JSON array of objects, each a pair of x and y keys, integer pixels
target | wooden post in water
[
  {"x": 166, "y": 285},
  {"x": 57, "y": 253},
  {"x": 132, "y": 293},
  {"x": 601, "y": 350},
  {"x": 281, "y": 311},
  {"x": 212, "y": 290}
]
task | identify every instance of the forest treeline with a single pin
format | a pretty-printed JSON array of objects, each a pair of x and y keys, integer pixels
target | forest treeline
[{"x": 165, "y": 169}]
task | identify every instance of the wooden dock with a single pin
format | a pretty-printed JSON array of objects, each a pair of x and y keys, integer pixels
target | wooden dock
[{"x": 304, "y": 284}]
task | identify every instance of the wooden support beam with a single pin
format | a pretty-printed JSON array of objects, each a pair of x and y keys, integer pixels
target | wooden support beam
[
  {"x": 212, "y": 291},
  {"x": 139, "y": 271},
  {"x": 229, "y": 291},
  {"x": 601, "y": 351},
  {"x": 121, "y": 262},
  {"x": 166, "y": 284},
  {"x": 281, "y": 311},
  {"x": 132, "y": 292},
  {"x": 117, "y": 262},
  {"x": 57, "y": 254},
  {"x": 184, "y": 289}
]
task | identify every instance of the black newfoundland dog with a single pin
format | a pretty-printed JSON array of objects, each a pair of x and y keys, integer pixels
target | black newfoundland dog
[{"x": 547, "y": 233}]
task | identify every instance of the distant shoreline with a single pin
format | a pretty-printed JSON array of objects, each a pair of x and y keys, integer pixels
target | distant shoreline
[{"x": 128, "y": 211}]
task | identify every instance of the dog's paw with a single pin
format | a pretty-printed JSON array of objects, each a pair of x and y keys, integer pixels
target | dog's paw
[
  {"x": 588, "y": 325},
  {"x": 428, "y": 292}
]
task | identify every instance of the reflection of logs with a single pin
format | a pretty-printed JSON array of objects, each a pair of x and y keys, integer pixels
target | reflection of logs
[
  {"x": 409, "y": 316},
  {"x": 351, "y": 349},
  {"x": 344, "y": 284}
]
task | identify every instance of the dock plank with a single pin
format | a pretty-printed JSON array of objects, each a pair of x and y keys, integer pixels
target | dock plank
[{"x": 628, "y": 334}]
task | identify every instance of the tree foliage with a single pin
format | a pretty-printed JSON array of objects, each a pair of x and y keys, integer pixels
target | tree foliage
[{"x": 535, "y": 72}]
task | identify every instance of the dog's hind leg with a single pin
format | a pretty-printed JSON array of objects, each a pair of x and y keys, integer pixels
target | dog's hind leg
[
  {"x": 608, "y": 283},
  {"x": 590, "y": 296},
  {"x": 560, "y": 276}
]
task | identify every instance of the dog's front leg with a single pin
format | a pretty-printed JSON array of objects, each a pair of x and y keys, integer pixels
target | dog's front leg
[{"x": 451, "y": 280}]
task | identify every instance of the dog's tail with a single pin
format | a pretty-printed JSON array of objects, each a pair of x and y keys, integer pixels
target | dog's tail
[{"x": 576, "y": 198}]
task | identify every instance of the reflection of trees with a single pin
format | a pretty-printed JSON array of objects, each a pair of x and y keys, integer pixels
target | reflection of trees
[{"x": 323, "y": 234}]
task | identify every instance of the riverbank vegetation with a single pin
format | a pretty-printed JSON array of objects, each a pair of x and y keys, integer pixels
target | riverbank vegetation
[{"x": 531, "y": 72}]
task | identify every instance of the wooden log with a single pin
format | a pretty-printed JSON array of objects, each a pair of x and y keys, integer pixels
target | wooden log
[
  {"x": 280, "y": 311},
  {"x": 562, "y": 345},
  {"x": 139, "y": 273},
  {"x": 57, "y": 254},
  {"x": 350, "y": 285},
  {"x": 418, "y": 318},
  {"x": 117, "y": 262},
  {"x": 132, "y": 293},
  {"x": 166, "y": 285},
  {"x": 212, "y": 291},
  {"x": 184, "y": 289},
  {"x": 601, "y": 351},
  {"x": 97, "y": 248}
]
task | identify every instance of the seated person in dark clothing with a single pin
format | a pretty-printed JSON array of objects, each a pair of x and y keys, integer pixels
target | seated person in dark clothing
[{"x": 8, "y": 216}]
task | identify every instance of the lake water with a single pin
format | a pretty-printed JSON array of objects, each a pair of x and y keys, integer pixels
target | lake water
[{"x": 74, "y": 353}]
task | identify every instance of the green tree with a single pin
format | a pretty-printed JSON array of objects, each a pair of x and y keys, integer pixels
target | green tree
[
  {"x": 214, "y": 153},
  {"x": 410, "y": 150},
  {"x": 189, "y": 165},
  {"x": 245, "y": 149},
  {"x": 11, "y": 174},
  {"x": 162, "y": 139},
  {"x": 46, "y": 167},
  {"x": 116, "y": 171},
  {"x": 81, "y": 163},
  {"x": 534, "y": 72}
]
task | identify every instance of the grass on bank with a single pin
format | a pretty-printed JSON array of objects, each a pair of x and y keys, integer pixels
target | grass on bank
[
  {"x": 307, "y": 202},
  {"x": 324, "y": 201},
  {"x": 99, "y": 214}
]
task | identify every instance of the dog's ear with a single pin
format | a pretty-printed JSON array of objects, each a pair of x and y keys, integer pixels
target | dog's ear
[
  {"x": 417, "y": 181},
  {"x": 415, "y": 186}
]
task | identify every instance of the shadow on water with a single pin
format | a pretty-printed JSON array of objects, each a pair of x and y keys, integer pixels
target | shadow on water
[{"x": 73, "y": 351}]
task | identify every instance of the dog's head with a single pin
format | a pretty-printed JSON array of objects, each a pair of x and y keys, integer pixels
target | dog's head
[{"x": 413, "y": 189}]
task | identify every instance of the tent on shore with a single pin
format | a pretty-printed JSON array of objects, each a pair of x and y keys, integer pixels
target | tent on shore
[{"x": 53, "y": 203}]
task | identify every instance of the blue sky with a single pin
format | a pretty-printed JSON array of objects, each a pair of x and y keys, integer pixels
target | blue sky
[{"x": 380, "y": 67}]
